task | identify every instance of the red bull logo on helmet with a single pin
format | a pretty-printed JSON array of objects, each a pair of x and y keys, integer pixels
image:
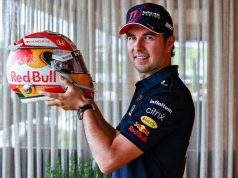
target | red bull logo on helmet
[{"x": 33, "y": 77}]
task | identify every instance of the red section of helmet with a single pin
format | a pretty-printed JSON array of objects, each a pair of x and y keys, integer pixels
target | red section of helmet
[
  {"x": 55, "y": 89},
  {"x": 48, "y": 88},
  {"x": 14, "y": 88},
  {"x": 21, "y": 57},
  {"x": 61, "y": 41}
]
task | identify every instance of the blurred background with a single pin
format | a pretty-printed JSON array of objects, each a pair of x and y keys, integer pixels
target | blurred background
[{"x": 35, "y": 138}]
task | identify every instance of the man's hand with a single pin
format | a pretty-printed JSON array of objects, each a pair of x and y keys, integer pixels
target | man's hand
[{"x": 72, "y": 99}]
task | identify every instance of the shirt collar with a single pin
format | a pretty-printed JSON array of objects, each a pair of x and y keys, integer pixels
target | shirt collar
[{"x": 157, "y": 77}]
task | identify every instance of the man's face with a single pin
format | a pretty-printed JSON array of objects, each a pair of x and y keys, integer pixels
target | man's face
[{"x": 147, "y": 50}]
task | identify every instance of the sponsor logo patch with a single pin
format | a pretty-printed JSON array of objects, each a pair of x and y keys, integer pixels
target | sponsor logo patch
[
  {"x": 155, "y": 113},
  {"x": 151, "y": 14},
  {"x": 132, "y": 109},
  {"x": 61, "y": 42},
  {"x": 38, "y": 42},
  {"x": 169, "y": 26},
  {"x": 149, "y": 122},
  {"x": 142, "y": 128},
  {"x": 162, "y": 105},
  {"x": 137, "y": 133}
]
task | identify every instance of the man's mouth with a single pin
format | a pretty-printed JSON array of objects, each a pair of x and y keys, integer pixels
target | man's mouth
[{"x": 141, "y": 57}]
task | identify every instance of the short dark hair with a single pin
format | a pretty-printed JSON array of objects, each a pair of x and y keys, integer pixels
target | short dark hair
[{"x": 165, "y": 39}]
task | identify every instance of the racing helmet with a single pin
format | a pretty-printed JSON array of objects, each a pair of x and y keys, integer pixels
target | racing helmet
[{"x": 37, "y": 61}]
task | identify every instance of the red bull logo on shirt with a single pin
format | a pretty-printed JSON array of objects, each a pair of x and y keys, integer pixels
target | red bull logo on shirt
[
  {"x": 142, "y": 128},
  {"x": 137, "y": 133}
]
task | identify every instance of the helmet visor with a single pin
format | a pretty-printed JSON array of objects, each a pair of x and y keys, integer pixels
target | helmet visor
[{"x": 68, "y": 62}]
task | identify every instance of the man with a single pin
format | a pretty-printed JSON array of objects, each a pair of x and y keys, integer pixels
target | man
[{"x": 152, "y": 138}]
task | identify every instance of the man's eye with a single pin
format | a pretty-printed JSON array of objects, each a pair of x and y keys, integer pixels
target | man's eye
[
  {"x": 148, "y": 37},
  {"x": 130, "y": 38}
]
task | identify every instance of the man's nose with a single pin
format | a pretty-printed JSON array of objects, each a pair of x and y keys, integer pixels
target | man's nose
[{"x": 139, "y": 44}]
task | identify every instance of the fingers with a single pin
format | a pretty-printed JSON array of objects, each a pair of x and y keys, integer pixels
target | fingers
[
  {"x": 52, "y": 103},
  {"x": 50, "y": 94},
  {"x": 68, "y": 100},
  {"x": 56, "y": 98},
  {"x": 66, "y": 81}
]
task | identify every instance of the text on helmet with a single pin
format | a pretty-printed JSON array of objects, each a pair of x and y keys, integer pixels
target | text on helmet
[{"x": 34, "y": 76}]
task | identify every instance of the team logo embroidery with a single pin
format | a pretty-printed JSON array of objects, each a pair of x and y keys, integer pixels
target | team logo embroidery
[
  {"x": 141, "y": 128},
  {"x": 133, "y": 14},
  {"x": 137, "y": 133},
  {"x": 149, "y": 122}
]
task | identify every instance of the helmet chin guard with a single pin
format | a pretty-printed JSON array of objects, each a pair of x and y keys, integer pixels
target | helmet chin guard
[{"x": 37, "y": 61}]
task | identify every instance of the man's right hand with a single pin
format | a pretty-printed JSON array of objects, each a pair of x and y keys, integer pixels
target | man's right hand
[{"x": 72, "y": 99}]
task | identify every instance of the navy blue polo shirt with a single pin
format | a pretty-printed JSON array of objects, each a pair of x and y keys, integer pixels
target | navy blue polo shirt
[{"x": 159, "y": 122}]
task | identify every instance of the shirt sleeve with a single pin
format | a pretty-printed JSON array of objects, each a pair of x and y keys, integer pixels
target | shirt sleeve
[{"x": 151, "y": 122}]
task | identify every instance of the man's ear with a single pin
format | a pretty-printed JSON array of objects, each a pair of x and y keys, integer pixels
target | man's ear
[{"x": 170, "y": 43}]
